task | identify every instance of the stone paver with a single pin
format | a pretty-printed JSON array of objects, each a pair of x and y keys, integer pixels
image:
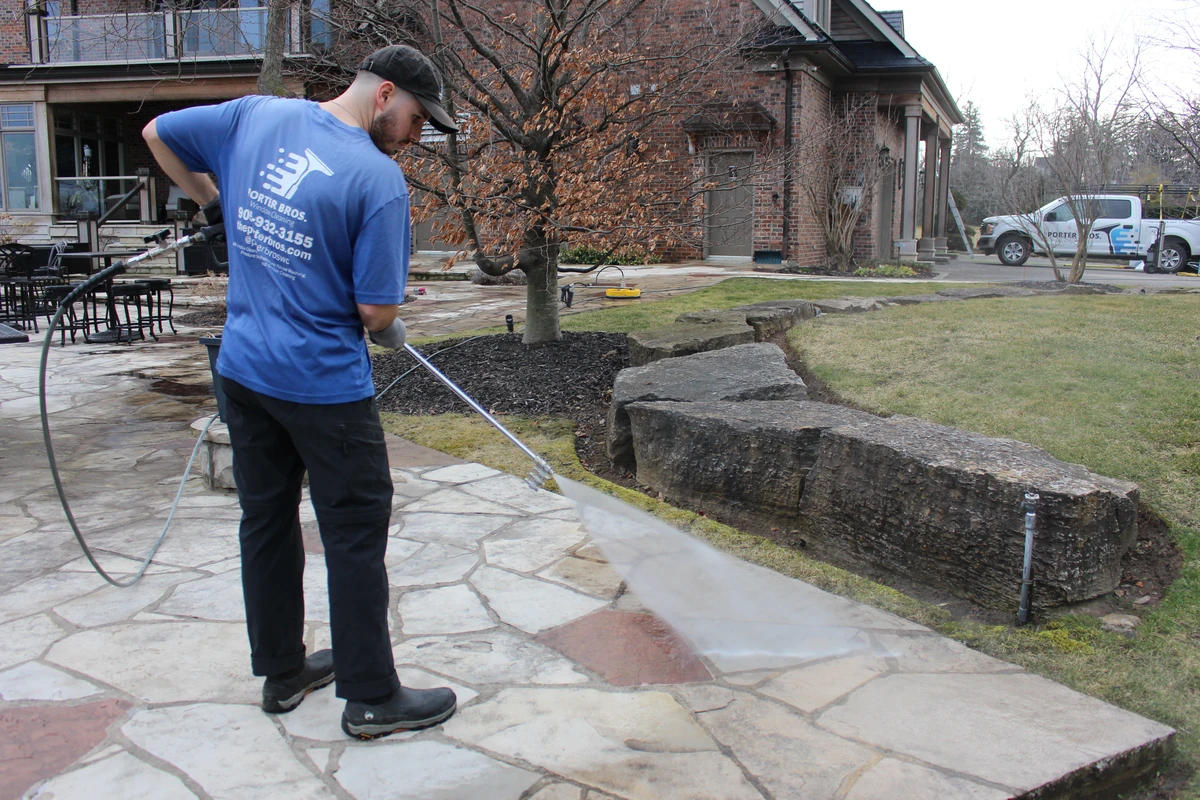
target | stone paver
[
  {"x": 569, "y": 687},
  {"x": 627, "y": 649}
]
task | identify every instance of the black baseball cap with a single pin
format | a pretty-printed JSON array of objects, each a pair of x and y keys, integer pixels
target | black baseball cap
[{"x": 412, "y": 71}]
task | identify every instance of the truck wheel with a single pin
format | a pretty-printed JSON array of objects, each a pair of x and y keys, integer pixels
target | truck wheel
[
  {"x": 1013, "y": 250},
  {"x": 1174, "y": 256}
]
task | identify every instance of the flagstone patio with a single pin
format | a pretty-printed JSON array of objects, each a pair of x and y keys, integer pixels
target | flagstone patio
[{"x": 568, "y": 688}]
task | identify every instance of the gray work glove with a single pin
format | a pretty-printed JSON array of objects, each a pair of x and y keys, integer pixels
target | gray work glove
[{"x": 391, "y": 337}]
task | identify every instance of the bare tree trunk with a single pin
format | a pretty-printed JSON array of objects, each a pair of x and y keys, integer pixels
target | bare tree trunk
[
  {"x": 1079, "y": 262},
  {"x": 270, "y": 79},
  {"x": 541, "y": 290},
  {"x": 1054, "y": 265}
]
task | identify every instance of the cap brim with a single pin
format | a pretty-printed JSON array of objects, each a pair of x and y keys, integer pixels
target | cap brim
[{"x": 438, "y": 117}]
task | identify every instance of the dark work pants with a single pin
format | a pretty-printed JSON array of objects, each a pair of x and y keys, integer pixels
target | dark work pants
[{"x": 342, "y": 447}]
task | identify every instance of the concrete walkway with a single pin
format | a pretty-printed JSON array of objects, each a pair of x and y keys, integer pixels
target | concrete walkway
[{"x": 568, "y": 688}]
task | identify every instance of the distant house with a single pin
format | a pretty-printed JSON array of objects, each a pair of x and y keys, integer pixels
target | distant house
[
  {"x": 82, "y": 77},
  {"x": 831, "y": 52}
]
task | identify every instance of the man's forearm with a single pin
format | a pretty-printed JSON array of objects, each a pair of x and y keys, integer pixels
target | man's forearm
[{"x": 196, "y": 185}]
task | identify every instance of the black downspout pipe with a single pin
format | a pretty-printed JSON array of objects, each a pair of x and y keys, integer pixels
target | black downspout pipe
[{"x": 789, "y": 155}]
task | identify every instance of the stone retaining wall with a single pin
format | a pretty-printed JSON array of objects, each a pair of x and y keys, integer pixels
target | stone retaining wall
[{"x": 710, "y": 430}]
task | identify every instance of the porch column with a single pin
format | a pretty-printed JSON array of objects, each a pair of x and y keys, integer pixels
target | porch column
[
  {"x": 926, "y": 246},
  {"x": 943, "y": 198},
  {"x": 906, "y": 245}
]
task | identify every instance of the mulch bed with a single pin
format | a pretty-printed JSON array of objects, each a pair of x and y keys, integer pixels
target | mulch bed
[
  {"x": 210, "y": 318},
  {"x": 570, "y": 378},
  {"x": 1063, "y": 286}
]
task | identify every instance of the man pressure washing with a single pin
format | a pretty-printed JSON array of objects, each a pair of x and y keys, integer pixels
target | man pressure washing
[{"x": 317, "y": 218}]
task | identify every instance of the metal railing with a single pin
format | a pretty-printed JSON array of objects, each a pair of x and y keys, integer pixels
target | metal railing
[
  {"x": 160, "y": 35},
  {"x": 109, "y": 37}
]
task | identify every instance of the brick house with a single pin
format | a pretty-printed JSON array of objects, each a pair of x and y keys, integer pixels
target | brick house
[
  {"x": 82, "y": 77},
  {"x": 813, "y": 58}
]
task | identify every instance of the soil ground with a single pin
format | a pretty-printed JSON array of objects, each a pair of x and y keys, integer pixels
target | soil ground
[{"x": 573, "y": 378}]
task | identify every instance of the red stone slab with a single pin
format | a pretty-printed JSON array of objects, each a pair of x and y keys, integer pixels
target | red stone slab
[
  {"x": 38, "y": 742},
  {"x": 627, "y": 649}
]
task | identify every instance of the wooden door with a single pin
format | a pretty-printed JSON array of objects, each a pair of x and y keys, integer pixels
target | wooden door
[{"x": 730, "y": 219}]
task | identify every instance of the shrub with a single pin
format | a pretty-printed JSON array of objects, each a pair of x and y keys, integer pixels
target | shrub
[
  {"x": 626, "y": 257},
  {"x": 954, "y": 240},
  {"x": 886, "y": 271}
]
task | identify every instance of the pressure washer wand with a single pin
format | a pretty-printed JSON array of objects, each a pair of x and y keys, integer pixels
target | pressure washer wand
[{"x": 542, "y": 471}]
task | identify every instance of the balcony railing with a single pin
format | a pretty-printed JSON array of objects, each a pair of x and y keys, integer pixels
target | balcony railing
[{"x": 157, "y": 36}]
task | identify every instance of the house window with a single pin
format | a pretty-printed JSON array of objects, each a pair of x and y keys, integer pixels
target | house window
[
  {"x": 89, "y": 158},
  {"x": 818, "y": 11},
  {"x": 321, "y": 24},
  {"x": 18, "y": 151}
]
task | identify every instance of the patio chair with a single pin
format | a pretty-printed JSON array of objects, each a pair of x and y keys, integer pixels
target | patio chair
[{"x": 154, "y": 302}]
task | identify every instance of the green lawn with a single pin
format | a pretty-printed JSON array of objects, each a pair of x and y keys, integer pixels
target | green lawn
[
  {"x": 650, "y": 313},
  {"x": 1109, "y": 382}
]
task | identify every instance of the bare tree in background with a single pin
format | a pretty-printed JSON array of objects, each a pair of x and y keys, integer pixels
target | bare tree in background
[
  {"x": 1084, "y": 139},
  {"x": 1015, "y": 180},
  {"x": 838, "y": 167},
  {"x": 1174, "y": 107}
]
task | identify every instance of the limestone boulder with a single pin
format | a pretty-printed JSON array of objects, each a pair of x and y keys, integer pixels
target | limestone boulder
[
  {"x": 742, "y": 372},
  {"x": 944, "y": 506},
  {"x": 918, "y": 299},
  {"x": 774, "y": 317},
  {"x": 736, "y": 459},
  {"x": 687, "y": 338},
  {"x": 769, "y": 319},
  {"x": 982, "y": 293},
  {"x": 852, "y": 305}
]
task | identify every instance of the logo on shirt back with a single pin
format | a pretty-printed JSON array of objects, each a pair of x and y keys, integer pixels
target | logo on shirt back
[{"x": 285, "y": 180}]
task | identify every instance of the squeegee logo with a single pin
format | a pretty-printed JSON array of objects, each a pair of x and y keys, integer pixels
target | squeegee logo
[{"x": 285, "y": 175}]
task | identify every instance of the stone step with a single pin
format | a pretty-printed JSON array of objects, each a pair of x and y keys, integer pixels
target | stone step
[
  {"x": 745, "y": 460},
  {"x": 742, "y": 372}
]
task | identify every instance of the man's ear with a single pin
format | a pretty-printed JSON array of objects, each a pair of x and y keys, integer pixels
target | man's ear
[{"x": 384, "y": 93}]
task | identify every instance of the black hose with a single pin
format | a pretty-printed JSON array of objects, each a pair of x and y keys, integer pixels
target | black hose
[{"x": 66, "y": 303}]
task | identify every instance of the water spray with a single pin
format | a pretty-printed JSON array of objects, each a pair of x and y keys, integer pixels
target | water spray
[{"x": 740, "y": 615}]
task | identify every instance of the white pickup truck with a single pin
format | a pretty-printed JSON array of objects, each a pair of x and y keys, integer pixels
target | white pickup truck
[{"x": 1118, "y": 232}]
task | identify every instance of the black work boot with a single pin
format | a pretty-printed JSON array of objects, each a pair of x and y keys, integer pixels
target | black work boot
[
  {"x": 281, "y": 695},
  {"x": 408, "y": 709}
]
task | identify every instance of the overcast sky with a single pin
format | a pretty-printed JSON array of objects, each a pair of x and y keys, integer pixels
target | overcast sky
[{"x": 998, "y": 54}]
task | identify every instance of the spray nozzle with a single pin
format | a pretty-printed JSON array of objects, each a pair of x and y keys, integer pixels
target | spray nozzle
[{"x": 539, "y": 476}]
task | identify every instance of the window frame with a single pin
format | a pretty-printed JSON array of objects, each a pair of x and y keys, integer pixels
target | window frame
[{"x": 26, "y": 125}]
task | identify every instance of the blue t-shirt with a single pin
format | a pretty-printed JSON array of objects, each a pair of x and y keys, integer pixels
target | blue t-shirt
[{"x": 317, "y": 220}]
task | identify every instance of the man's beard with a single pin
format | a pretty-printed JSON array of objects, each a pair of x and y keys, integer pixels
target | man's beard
[{"x": 378, "y": 132}]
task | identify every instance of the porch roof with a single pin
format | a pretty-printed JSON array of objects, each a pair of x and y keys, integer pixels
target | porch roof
[{"x": 730, "y": 117}]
